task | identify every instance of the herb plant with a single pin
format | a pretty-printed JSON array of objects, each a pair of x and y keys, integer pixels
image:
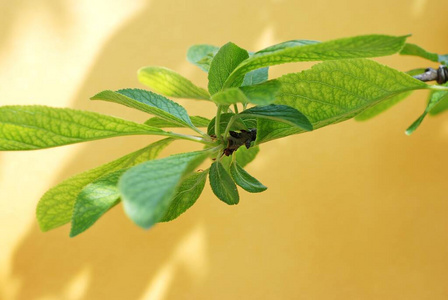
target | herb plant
[{"x": 250, "y": 110}]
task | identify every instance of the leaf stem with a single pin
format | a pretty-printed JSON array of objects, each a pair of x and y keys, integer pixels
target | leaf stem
[
  {"x": 193, "y": 138},
  {"x": 229, "y": 125},
  {"x": 217, "y": 121}
]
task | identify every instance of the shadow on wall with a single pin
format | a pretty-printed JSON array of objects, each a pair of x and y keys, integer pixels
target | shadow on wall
[{"x": 122, "y": 259}]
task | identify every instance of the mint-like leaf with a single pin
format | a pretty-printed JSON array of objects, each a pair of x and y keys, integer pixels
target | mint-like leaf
[
  {"x": 415, "y": 50},
  {"x": 186, "y": 195},
  {"x": 381, "y": 107},
  {"x": 169, "y": 83},
  {"x": 202, "y": 55},
  {"x": 353, "y": 47},
  {"x": 245, "y": 180},
  {"x": 225, "y": 61},
  {"x": 55, "y": 208},
  {"x": 147, "y": 190},
  {"x": 222, "y": 184},
  {"x": 37, "y": 127},
  {"x": 197, "y": 121}
]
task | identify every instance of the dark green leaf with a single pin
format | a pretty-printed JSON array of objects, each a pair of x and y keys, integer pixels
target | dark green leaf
[
  {"x": 225, "y": 61},
  {"x": 202, "y": 55},
  {"x": 38, "y": 127},
  {"x": 186, "y": 195},
  {"x": 222, "y": 184},
  {"x": 280, "y": 113},
  {"x": 244, "y": 156},
  {"x": 147, "y": 190},
  {"x": 245, "y": 180},
  {"x": 55, "y": 208},
  {"x": 197, "y": 121},
  {"x": 170, "y": 83},
  {"x": 353, "y": 47},
  {"x": 148, "y": 102}
]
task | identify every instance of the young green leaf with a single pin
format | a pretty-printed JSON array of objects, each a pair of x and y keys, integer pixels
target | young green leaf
[
  {"x": 353, "y": 47},
  {"x": 55, "y": 208},
  {"x": 259, "y": 94},
  {"x": 384, "y": 105},
  {"x": 230, "y": 96},
  {"x": 147, "y": 190},
  {"x": 435, "y": 98},
  {"x": 202, "y": 55},
  {"x": 170, "y": 83},
  {"x": 414, "y": 50},
  {"x": 280, "y": 113},
  {"x": 95, "y": 200},
  {"x": 225, "y": 61},
  {"x": 222, "y": 184},
  {"x": 186, "y": 195},
  {"x": 285, "y": 45},
  {"x": 244, "y": 156},
  {"x": 335, "y": 91},
  {"x": 149, "y": 102},
  {"x": 197, "y": 121},
  {"x": 245, "y": 180},
  {"x": 38, "y": 127},
  {"x": 256, "y": 76},
  {"x": 442, "y": 105}
]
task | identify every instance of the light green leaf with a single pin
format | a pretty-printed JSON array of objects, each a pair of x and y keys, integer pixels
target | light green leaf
[
  {"x": 225, "y": 61},
  {"x": 95, "y": 200},
  {"x": 37, "y": 127},
  {"x": 285, "y": 45},
  {"x": 197, "y": 121},
  {"x": 263, "y": 93},
  {"x": 381, "y": 107},
  {"x": 353, "y": 47},
  {"x": 435, "y": 98},
  {"x": 244, "y": 156},
  {"x": 170, "y": 83},
  {"x": 256, "y": 76},
  {"x": 245, "y": 180},
  {"x": 55, "y": 208},
  {"x": 335, "y": 91},
  {"x": 222, "y": 184},
  {"x": 442, "y": 105},
  {"x": 202, "y": 55},
  {"x": 414, "y": 50},
  {"x": 149, "y": 102},
  {"x": 280, "y": 113},
  {"x": 230, "y": 96},
  {"x": 186, "y": 195},
  {"x": 147, "y": 190}
]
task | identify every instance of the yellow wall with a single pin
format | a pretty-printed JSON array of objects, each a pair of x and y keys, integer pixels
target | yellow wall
[{"x": 353, "y": 211}]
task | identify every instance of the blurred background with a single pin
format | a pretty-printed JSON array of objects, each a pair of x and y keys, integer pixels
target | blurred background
[{"x": 353, "y": 211}]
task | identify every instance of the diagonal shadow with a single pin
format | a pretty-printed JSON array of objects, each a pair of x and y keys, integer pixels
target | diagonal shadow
[{"x": 121, "y": 259}]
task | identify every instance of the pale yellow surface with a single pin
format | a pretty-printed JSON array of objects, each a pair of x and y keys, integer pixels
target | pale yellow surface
[{"x": 353, "y": 211}]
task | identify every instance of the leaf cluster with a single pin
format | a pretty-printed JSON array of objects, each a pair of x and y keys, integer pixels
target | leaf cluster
[{"x": 250, "y": 110}]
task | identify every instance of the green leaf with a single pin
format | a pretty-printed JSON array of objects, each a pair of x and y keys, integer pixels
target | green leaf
[
  {"x": 186, "y": 195},
  {"x": 442, "y": 105},
  {"x": 222, "y": 184},
  {"x": 414, "y": 50},
  {"x": 285, "y": 45},
  {"x": 245, "y": 180},
  {"x": 225, "y": 61},
  {"x": 37, "y": 127},
  {"x": 335, "y": 91},
  {"x": 244, "y": 156},
  {"x": 280, "y": 113},
  {"x": 259, "y": 94},
  {"x": 435, "y": 98},
  {"x": 170, "y": 83},
  {"x": 147, "y": 190},
  {"x": 230, "y": 96},
  {"x": 197, "y": 121},
  {"x": 381, "y": 107},
  {"x": 353, "y": 47},
  {"x": 55, "y": 208},
  {"x": 245, "y": 122},
  {"x": 202, "y": 55},
  {"x": 148, "y": 102},
  {"x": 256, "y": 76},
  {"x": 95, "y": 200}
]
